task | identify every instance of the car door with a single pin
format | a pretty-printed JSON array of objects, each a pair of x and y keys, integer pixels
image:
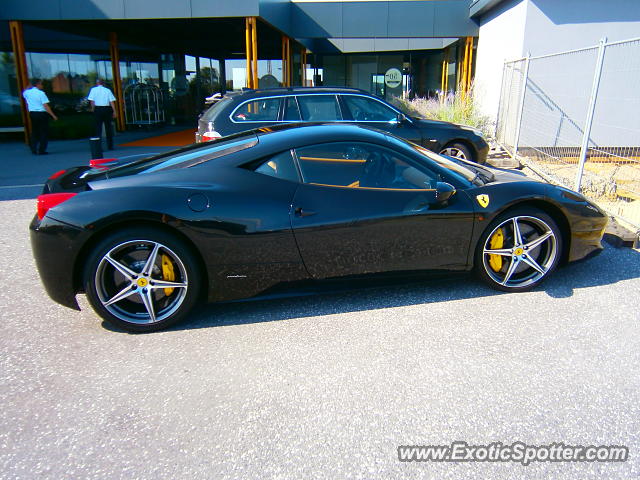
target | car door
[
  {"x": 374, "y": 113},
  {"x": 364, "y": 208}
]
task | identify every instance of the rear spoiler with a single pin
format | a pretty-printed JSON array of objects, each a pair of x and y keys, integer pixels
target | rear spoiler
[{"x": 75, "y": 179}]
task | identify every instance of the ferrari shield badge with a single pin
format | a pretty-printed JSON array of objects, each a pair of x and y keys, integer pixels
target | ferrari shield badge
[{"x": 483, "y": 200}]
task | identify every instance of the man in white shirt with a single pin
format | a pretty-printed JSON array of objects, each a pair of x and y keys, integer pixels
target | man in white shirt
[
  {"x": 39, "y": 113},
  {"x": 103, "y": 107}
]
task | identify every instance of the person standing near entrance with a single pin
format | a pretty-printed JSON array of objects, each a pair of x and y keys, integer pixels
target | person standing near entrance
[
  {"x": 39, "y": 113},
  {"x": 103, "y": 107}
]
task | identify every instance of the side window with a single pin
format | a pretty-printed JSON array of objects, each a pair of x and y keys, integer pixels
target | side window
[
  {"x": 291, "y": 111},
  {"x": 279, "y": 166},
  {"x": 261, "y": 110},
  {"x": 365, "y": 109},
  {"x": 361, "y": 165},
  {"x": 319, "y": 108}
]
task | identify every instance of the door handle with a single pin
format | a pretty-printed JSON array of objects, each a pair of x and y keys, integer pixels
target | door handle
[{"x": 303, "y": 213}]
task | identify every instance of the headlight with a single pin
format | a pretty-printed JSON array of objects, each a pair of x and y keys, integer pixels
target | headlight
[
  {"x": 571, "y": 194},
  {"x": 578, "y": 197}
]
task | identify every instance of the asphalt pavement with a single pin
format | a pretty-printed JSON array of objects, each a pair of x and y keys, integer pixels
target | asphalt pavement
[
  {"x": 321, "y": 386},
  {"x": 23, "y": 174}
]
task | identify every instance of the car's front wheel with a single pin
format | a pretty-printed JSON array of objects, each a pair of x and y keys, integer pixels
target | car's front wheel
[
  {"x": 142, "y": 279},
  {"x": 458, "y": 150},
  {"x": 518, "y": 250}
]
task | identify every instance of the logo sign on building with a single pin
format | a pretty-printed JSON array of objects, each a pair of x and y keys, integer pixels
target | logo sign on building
[{"x": 393, "y": 78}]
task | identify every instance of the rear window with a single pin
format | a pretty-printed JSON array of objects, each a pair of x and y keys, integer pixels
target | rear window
[
  {"x": 190, "y": 156},
  {"x": 215, "y": 109}
]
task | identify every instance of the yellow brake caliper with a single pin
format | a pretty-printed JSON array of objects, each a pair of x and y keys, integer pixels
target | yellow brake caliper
[
  {"x": 167, "y": 273},
  {"x": 495, "y": 242}
]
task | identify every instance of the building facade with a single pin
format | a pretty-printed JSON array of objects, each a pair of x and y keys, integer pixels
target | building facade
[
  {"x": 511, "y": 29},
  {"x": 185, "y": 50}
]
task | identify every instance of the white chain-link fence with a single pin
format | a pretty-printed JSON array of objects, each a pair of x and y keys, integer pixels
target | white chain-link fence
[{"x": 575, "y": 117}]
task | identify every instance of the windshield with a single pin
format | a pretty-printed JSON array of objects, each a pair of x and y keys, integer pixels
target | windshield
[{"x": 462, "y": 170}]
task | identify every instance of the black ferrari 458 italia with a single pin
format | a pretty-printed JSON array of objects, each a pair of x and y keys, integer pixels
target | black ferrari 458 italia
[{"x": 238, "y": 216}]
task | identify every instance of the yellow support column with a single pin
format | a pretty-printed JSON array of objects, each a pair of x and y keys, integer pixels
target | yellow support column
[
  {"x": 444, "y": 81},
  {"x": 249, "y": 51},
  {"x": 303, "y": 67},
  {"x": 114, "y": 52},
  {"x": 470, "y": 63},
  {"x": 289, "y": 63},
  {"x": 22, "y": 75},
  {"x": 254, "y": 47},
  {"x": 465, "y": 78},
  {"x": 286, "y": 61},
  {"x": 251, "y": 48}
]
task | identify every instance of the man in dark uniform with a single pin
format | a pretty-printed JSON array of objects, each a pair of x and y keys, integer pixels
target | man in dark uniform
[
  {"x": 39, "y": 113},
  {"x": 104, "y": 109}
]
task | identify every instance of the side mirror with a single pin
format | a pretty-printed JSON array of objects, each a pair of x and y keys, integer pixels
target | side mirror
[
  {"x": 400, "y": 118},
  {"x": 444, "y": 191}
]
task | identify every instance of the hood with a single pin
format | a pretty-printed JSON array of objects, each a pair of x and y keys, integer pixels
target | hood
[
  {"x": 503, "y": 176},
  {"x": 433, "y": 123}
]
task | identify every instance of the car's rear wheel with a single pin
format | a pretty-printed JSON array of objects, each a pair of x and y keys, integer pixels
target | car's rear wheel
[
  {"x": 518, "y": 250},
  {"x": 142, "y": 279},
  {"x": 458, "y": 150}
]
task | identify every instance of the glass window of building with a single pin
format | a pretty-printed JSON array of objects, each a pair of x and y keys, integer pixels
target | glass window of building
[
  {"x": 10, "y": 115},
  {"x": 67, "y": 79}
]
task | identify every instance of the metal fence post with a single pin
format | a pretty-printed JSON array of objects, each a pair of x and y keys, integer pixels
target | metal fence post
[
  {"x": 500, "y": 101},
  {"x": 590, "y": 111},
  {"x": 516, "y": 140}
]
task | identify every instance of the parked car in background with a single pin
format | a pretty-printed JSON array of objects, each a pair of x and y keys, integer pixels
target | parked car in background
[{"x": 248, "y": 109}]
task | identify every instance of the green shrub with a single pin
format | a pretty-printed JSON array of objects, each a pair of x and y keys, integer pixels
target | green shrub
[{"x": 451, "y": 107}]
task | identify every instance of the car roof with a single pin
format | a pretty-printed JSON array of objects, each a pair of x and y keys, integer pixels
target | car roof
[
  {"x": 293, "y": 135},
  {"x": 267, "y": 92},
  {"x": 319, "y": 128}
]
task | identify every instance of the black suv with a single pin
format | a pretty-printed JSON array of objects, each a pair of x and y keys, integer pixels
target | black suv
[{"x": 249, "y": 109}]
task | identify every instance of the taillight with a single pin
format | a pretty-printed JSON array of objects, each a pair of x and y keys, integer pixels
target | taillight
[
  {"x": 208, "y": 136},
  {"x": 57, "y": 174},
  {"x": 50, "y": 200},
  {"x": 99, "y": 162}
]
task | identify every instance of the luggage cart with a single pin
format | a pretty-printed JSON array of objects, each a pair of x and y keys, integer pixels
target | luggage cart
[{"x": 144, "y": 105}]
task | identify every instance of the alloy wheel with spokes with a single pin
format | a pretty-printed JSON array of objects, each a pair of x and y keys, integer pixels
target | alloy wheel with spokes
[
  {"x": 141, "y": 283},
  {"x": 519, "y": 251},
  {"x": 458, "y": 150}
]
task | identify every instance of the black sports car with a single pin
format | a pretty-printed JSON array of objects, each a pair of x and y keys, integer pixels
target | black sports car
[
  {"x": 234, "y": 217},
  {"x": 239, "y": 111}
]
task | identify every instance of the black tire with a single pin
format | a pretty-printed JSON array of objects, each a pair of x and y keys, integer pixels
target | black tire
[
  {"x": 151, "y": 296},
  {"x": 541, "y": 245},
  {"x": 459, "y": 150}
]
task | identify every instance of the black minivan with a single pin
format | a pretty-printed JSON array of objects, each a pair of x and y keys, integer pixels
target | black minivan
[{"x": 248, "y": 109}]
